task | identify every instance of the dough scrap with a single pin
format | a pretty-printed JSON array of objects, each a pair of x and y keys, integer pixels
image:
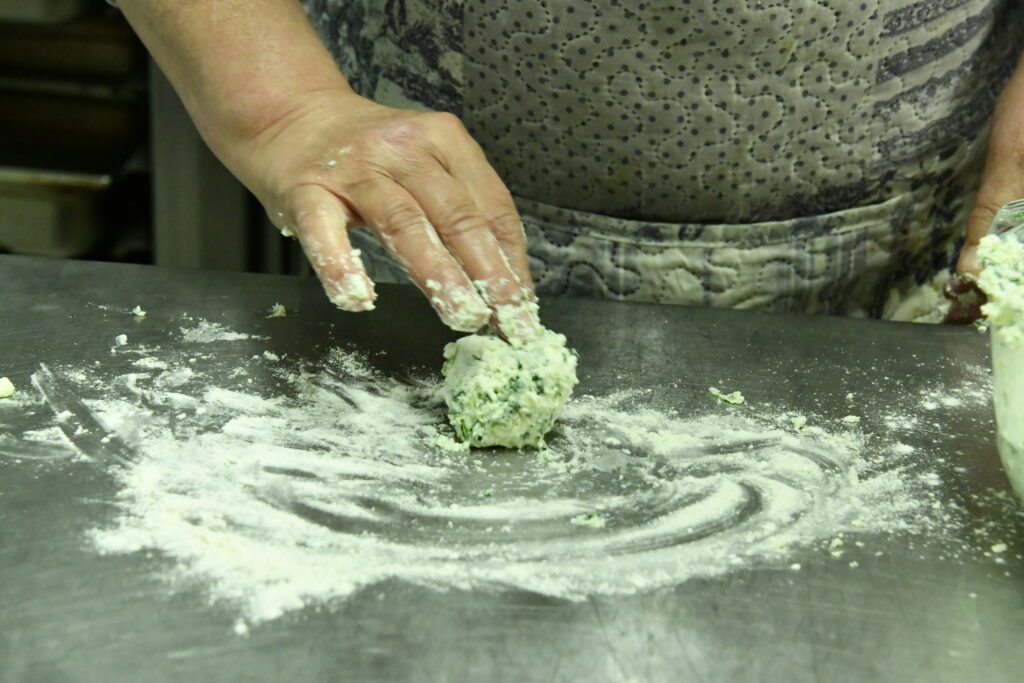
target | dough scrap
[
  {"x": 1002, "y": 279},
  {"x": 736, "y": 398},
  {"x": 500, "y": 395},
  {"x": 6, "y": 388}
]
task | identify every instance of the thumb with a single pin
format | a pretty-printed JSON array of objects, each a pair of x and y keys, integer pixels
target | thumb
[{"x": 978, "y": 222}]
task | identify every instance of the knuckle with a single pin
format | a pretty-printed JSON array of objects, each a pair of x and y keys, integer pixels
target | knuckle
[
  {"x": 979, "y": 219},
  {"x": 400, "y": 220},
  {"x": 461, "y": 220},
  {"x": 397, "y": 152},
  {"x": 447, "y": 122},
  {"x": 507, "y": 226},
  {"x": 315, "y": 213},
  {"x": 355, "y": 190}
]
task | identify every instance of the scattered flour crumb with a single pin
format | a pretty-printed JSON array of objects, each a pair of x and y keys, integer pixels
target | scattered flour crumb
[
  {"x": 450, "y": 444},
  {"x": 999, "y": 548},
  {"x": 150, "y": 363},
  {"x": 241, "y": 628},
  {"x": 798, "y": 422},
  {"x": 851, "y": 419},
  {"x": 206, "y": 332},
  {"x": 138, "y": 312},
  {"x": 736, "y": 398},
  {"x": 6, "y": 388},
  {"x": 121, "y": 339},
  {"x": 278, "y": 311}
]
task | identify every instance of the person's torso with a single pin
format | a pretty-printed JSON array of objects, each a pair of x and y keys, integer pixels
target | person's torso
[{"x": 725, "y": 110}]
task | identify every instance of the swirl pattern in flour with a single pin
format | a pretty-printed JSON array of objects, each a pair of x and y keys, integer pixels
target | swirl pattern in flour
[{"x": 344, "y": 478}]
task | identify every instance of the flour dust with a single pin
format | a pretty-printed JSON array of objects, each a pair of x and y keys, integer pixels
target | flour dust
[{"x": 339, "y": 477}]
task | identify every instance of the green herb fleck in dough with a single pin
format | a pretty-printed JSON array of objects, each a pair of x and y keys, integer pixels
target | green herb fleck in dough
[
  {"x": 500, "y": 395},
  {"x": 591, "y": 519}
]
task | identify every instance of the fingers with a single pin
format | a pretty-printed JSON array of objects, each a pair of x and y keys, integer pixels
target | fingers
[
  {"x": 321, "y": 222},
  {"x": 470, "y": 235},
  {"x": 402, "y": 227},
  {"x": 469, "y": 166},
  {"x": 424, "y": 187}
]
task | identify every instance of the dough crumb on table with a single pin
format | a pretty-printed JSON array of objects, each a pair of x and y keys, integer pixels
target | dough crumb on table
[
  {"x": 736, "y": 398},
  {"x": 6, "y": 388},
  {"x": 590, "y": 519},
  {"x": 500, "y": 395}
]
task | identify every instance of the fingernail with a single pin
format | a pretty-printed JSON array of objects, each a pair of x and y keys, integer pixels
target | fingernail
[
  {"x": 459, "y": 307},
  {"x": 968, "y": 262},
  {"x": 519, "y": 322},
  {"x": 353, "y": 293}
]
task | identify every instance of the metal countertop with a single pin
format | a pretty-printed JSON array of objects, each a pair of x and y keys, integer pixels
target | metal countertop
[{"x": 68, "y": 614}]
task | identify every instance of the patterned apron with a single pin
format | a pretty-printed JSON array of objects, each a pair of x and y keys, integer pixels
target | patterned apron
[{"x": 786, "y": 155}]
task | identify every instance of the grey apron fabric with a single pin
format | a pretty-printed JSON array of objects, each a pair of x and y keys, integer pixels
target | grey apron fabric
[{"x": 797, "y": 155}]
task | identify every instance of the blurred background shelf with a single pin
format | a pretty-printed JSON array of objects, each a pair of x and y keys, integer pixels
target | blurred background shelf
[
  {"x": 99, "y": 159},
  {"x": 45, "y": 11},
  {"x": 75, "y": 172}
]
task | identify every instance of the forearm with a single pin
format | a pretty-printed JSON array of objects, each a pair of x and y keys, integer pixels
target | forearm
[{"x": 240, "y": 66}]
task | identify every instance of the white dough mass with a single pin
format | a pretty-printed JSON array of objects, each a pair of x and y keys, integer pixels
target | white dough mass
[{"x": 500, "y": 395}]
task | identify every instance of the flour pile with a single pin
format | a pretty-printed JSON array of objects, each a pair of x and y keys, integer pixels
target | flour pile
[{"x": 342, "y": 478}]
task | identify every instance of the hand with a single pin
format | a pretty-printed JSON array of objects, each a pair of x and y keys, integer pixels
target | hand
[
  {"x": 1003, "y": 180},
  {"x": 419, "y": 182}
]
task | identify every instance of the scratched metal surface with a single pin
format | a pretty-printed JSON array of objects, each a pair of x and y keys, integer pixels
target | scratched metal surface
[{"x": 67, "y": 614}]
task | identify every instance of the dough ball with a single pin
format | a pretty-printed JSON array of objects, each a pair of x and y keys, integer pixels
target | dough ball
[{"x": 500, "y": 395}]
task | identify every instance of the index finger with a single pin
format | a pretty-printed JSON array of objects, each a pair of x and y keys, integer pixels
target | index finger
[
  {"x": 403, "y": 229},
  {"x": 470, "y": 236},
  {"x": 490, "y": 194}
]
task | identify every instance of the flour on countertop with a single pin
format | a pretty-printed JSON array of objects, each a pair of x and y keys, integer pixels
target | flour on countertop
[
  {"x": 340, "y": 478},
  {"x": 205, "y": 331}
]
